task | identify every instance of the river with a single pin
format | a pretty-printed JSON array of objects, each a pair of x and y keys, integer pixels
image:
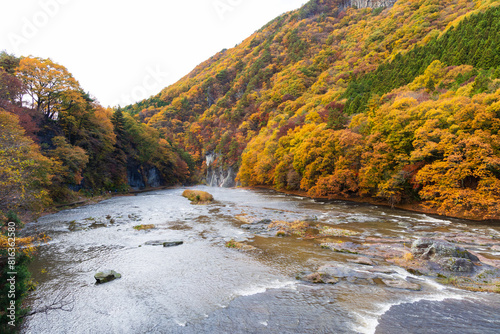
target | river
[{"x": 202, "y": 286}]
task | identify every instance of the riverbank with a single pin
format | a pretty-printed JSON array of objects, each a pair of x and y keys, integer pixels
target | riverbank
[
  {"x": 83, "y": 201},
  {"x": 411, "y": 207}
]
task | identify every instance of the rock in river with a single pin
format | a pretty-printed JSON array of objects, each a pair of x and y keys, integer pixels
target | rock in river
[
  {"x": 198, "y": 196},
  {"x": 106, "y": 276},
  {"x": 401, "y": 284},
  {"x": 334, "y": 273},
  {"x": 363, "y": 260},
  {"x": 435, "y": 248},
  {"x": 449, "y": 256},
  {"x": 172, "y": 243},
  {"x": 343, "y": 272},
  {"x": 164, "y": 243},
  {"x": 317, "y": 277},
  {"x": 260, "y": 227}
]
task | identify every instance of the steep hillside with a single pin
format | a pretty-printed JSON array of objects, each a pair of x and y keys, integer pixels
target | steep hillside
[{"x": 278, "y": 107}]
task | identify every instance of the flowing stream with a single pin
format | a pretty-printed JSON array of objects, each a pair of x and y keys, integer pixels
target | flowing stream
[{"x": 204, "y": 287}]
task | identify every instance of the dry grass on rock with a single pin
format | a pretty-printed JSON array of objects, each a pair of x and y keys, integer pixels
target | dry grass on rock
[
  {"x": 239, "y": 246},
  {"x": 198, "y": 196},
  {"x": 144, "y": 227},
  {"x": 284, "y": 228}
]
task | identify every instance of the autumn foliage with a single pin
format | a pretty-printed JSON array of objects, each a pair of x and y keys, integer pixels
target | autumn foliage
[
  {"x": 410, "y": 146},
  {"x": 58, "y": 143},
  {"x": 399, "y": 104},
  {"x": 395, "y": 103}
]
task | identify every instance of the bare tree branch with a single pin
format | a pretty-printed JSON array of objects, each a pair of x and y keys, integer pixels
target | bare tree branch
[{"x": 62, "y": 302}]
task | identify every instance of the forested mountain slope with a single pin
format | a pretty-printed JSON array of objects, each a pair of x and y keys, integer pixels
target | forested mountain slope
[{"x": 421, "y": 77}]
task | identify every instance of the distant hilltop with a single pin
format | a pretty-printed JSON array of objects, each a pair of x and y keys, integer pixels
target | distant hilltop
[{"x": 366, "y": 3}]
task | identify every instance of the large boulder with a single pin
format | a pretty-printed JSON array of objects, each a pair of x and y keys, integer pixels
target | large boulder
[
  {"x": 449, "y": 256},
  {"x": 106, "y": 276},
  {"x": 428, "y": 249}
]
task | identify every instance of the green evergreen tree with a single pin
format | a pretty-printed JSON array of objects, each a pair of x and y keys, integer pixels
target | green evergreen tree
[{"x": 119, "y": 157}]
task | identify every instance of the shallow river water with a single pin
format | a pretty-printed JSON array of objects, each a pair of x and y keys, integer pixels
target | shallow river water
[{"x": 204, "y": 287}]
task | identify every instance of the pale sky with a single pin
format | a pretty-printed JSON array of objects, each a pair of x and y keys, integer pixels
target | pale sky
[{"x": 122, "y": 51}]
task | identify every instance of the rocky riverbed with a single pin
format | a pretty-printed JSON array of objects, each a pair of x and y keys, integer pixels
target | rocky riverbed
[
  {"x": 462, "y": 259},
  {"x": 261, "y": 261}
]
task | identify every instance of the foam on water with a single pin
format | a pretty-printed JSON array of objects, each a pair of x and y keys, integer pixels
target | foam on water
[
  {"x": 180, "y": 323},
  {"x": 261, "y": 288},
  {"x": 427, "y": 219}
]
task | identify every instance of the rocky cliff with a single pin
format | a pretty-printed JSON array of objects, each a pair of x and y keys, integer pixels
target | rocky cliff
[
  {"x": 140, "y": 178},
  {"x": 217, "y": 176}
]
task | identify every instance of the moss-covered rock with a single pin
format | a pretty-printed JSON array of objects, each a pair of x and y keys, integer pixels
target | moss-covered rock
[{"x": 106, "y": 276}]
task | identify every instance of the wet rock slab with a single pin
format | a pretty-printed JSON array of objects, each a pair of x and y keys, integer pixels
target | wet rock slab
[
  {"x": 344, "y": 247},
  {"x": 259, "y": 227},
  {"x": 334, "y": 273},
  {"x": 321, "y": 278},
  {"x": 345, "y": 272},
  {"x": 401, "y": 284},
  {"x": 172, "y": 243},
  {"x": 378, "y": 250},
  {"x": 472, "y": 239},
  {"x": 382, "y": 270},
  {"x": 363, "y": 260},
  {"x": 164, "y": 243}
]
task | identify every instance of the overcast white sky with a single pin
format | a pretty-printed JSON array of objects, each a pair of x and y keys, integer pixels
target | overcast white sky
[{"x": 122, "y": 51}]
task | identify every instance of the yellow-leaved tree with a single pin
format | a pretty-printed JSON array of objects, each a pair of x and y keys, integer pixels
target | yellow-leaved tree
[
  {"x": 50, "y": 86},
  {"x": 24, "y": 172}
]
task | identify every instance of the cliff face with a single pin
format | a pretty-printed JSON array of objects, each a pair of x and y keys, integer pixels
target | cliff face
[
  {"x": 218, "y": 176},
  {"x": 140, "y": 178},
  {"x": 366, "y": 3}
]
